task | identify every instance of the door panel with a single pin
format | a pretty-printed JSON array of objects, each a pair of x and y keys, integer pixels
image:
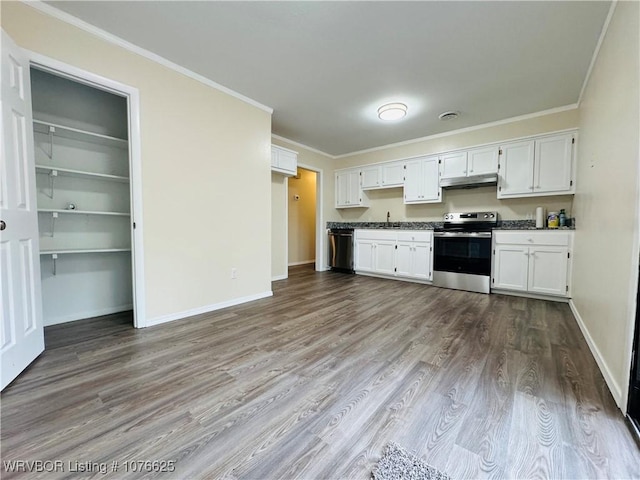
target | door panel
[
  {"x": 511, "y": 266},
  {"x": 22, "y": 331},
  {"x": 422, "y": 261},
  {"x": 385, "y": 252},
  {"x": 548, "y": 270},
  {"x": 516, "y": 169},
  {"x": 553, "y": 164}
]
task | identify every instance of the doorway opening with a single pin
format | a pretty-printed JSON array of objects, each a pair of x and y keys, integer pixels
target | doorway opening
[
  {"x": 302, "y": 222},
  {"x": 89, "y": 199},
  {"x": 633, "y": 406}
]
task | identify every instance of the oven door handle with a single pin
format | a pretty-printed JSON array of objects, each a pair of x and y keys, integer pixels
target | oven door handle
[{"x": 462, "y": 234}]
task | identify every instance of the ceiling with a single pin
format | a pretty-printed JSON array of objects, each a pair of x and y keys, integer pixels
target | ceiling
[{"x": 325, "y": 67}]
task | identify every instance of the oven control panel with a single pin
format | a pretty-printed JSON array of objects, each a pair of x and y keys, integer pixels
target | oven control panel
[{"x": 489, "y": 217}]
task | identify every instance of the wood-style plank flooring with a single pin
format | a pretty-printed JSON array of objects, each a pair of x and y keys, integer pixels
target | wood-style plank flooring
[{"x": 315, "y": 381}]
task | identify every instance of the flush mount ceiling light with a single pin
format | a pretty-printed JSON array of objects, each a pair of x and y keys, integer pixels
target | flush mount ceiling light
[
  {"x": 392, "y": 111},
  {"x": 451, "y": 115}
]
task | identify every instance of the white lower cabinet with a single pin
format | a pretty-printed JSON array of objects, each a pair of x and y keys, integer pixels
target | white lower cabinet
[
  {"x": 533, "y": 262},
  {"x": 405, "y": 254}
]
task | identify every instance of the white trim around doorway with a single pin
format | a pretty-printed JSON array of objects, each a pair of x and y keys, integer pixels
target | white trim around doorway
[
  {"x": 135, "y": 163},
  {"x": 320, "y": 230}
]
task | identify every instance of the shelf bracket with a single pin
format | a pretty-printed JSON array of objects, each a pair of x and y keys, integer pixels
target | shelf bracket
[
  {"x": 52, "y": 176},
  {"x": 54, "y": 257},
  {"x": 54, "y": 215},
  {"x": 52, "y": 130}
]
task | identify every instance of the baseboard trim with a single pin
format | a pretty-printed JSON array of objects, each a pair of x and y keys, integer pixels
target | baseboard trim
[
  {"x": 88, "y": 314},
  {"x": 206, "y": 309},
  {"x": 615, "y": 389},
  {"x": 304, "y": 262},
  {"x": 536, "y": 296},
  {"x": 279, "y": 277}
]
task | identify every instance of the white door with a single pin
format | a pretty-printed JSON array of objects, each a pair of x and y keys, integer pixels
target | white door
[
  {"x": 454, "y": 165},
  {"x": 364, "y": 255},
  {"x": 355, "y": 195},
  {"x": 422, "y": 260},
  {"x": 393, "y": 174},
  {"x": 511, "y": 267},
  {"x": 548, "y": 270},
  {"x": 371, "y": 177},
  {"x": 516, "y": 169},
  {"x": 553, "y": 164},
  {"x": 404, "y": 258},
  {"x": 413, "y": 181},
  {"x": 483, "y": 160},
  {"x": 430, "y": 180},
  {"x": 21, "y": 329},
  {"x": 385, "y": 253},
  {"x": 342, "y": 189}
]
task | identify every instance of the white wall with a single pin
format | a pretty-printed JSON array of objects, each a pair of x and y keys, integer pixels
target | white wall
[
  {"x": 606, "y": 202},
  {"x": 205, "y": 170},
  {"x": 278, "y": 226}
]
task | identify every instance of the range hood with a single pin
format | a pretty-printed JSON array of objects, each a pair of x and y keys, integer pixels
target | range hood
[{"x": 472, "y": 181}]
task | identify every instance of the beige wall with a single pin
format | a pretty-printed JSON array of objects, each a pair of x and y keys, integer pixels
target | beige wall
[
  {"x": 484, "y": 198},
  {"x": 278, "y": 226},
  {"x": 606, "y": 202},
  {"x": 205, "y": 163},
  {"x": 302, "y": 217},
  {"x": 323, "y": 164}
]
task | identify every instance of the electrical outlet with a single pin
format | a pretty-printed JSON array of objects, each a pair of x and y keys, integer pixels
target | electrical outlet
[{"x": 234, "y": 273}]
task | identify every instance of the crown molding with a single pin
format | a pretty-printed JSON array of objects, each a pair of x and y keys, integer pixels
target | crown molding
[
  {"x": 302, "y": 145},
  {"x": 115, "y": 40},
  {"x": 603, "y": 33},
  {"x": 505, "y": 121}
]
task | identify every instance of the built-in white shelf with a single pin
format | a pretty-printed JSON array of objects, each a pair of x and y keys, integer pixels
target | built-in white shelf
[
  {"x": 79, "y": 134},
  {"x": 80, "y": 173},
  {"x": 83, "y": 250},
  {"x": 82, "y": 212}
]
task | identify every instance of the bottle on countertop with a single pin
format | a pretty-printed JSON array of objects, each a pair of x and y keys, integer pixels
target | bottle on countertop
[
  {"x": 562, "y": 218},
  {"x": 552, "y": 220}
]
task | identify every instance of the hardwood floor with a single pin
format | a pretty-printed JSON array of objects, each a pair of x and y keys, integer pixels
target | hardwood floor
[{"x": 315, "y": 381}]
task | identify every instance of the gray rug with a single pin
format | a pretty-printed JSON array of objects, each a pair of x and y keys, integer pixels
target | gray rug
[{"x": 398, "y": 464}]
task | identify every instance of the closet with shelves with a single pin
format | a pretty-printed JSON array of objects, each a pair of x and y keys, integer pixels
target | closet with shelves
[{"x": 84, "y": 198}]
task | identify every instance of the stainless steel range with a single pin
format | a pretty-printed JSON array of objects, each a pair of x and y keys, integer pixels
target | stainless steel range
[{"x": 462, "y": 251}]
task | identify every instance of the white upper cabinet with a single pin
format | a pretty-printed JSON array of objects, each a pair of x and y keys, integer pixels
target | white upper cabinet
[
  {"x": 385, "y": 175},
  {"x": 422, "y": 183},
  {"x": 482, "y": 160},
  {"x": 542, "y": 166},
  {"x": 477, "y": 161},
  {"x": 454, "y": 165},
  {"x": 349, "y": 192},
  {"x": 284, "y": 161}
]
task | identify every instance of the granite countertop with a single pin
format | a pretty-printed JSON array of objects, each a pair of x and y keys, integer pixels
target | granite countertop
[{"x": 502, "y": 225}]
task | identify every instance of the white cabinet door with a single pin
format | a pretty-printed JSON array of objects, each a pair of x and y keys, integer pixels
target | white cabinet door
[
  {"x": 371, "y": 177},
  {"x": 404, "y": 259},
  {"x": 342, "y": 189},
  {"x": 511, "y": 265},
  {"x": 412, "y": 181},
  {"x": 348, "y": 191},
  {"x": 393, "y": 174},
  {"x": 284, "y": 161},
  {"x": 422, "y": 183},
  {"x": 385, "y": 252},
  {"x": 548, "y": 270},
  {"x": 355, "y": 192},
  {"x": 430, "y": 180},
  {"x": 21, "y": 324},
  {"x": 421, "y": 261},
  {"x": 454, "y": 165},
  {"x": 516, "y": 169},
  {"x": 364, "y": 257},
  {"x": 482, "y": 160},
  {"x": 553, "y": 162}
]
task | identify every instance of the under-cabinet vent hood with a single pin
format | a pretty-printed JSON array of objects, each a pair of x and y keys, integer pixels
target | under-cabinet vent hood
[{"x": 472, "y": 181}]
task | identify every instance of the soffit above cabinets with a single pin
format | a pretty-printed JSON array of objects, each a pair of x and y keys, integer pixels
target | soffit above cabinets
[{"x": 326, "y": 67}]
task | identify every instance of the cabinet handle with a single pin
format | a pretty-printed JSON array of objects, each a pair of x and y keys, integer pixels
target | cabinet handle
[{"x": 3, "y": 225}]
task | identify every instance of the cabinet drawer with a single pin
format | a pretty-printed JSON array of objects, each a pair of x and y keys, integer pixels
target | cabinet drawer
[
  {"x": 415, "y": 236},
  {"x": 376, "y": 235},
  {"x": 561, "y": 239}
]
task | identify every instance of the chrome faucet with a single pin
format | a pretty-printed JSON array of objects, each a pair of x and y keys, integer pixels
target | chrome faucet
[{"x": 388, "y": 217}]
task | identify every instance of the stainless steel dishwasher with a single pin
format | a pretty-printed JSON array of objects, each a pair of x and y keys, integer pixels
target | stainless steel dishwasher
[{"x": 341, "y": 249}]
